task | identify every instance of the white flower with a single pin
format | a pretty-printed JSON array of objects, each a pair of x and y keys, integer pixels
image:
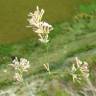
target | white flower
[
  {"x": 47, "y": 67},
  {"x": 35, "y": 17},
  {"x": 24, "y": 63},
  {"x": 78, "y": 62},
  {"x": 41, "y": 28},
  {"x": 84, "y": 69},
  {"x": 73, "y": 68},
  {"x": 15, "y": 63},
  {"x": 21, "y": 65},
  {"x": 79, "y": 70},
  {"x": 18, "y": 77},
  {"x": 43, "y": 39},
  {"x": 43, "y": 31}
]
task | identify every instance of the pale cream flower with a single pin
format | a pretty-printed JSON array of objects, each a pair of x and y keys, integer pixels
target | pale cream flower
[
  {"x": 24, "y": 63},
  {"x": 35, "y": 17},
  {"x": 41, "y": 28},
  {"x": 21, "y": 65},
  {"x": 84, "y": 69},
  {"x": 18, "y": 77},
  {"x": 43, "y": 31},
  {"x": 78, "y": 62},
  {"x": 47, "y": 67},
  {"x": 15, "y": 63},
  {"x": 44, "y": 28},
  {"x": 83, "y": 66},
  {"x": 43, "y": 39},
  {"x": 79, "y": 70}
]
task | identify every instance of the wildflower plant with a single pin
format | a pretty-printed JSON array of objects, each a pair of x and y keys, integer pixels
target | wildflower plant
[
  {"x": 42, "y": 29},
  {"x": 20, "y": 66},
  {"x": 80, "y": 70}
]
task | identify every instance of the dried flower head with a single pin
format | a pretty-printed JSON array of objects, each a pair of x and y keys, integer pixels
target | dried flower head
[
  {"x": 41, "y": 28},
  {"x": 47, "y": 67},
  {"x": 79, "y": 70},
  {"x": 43, "y": 31},
  {"x": 18, "y": 77},
  {"x": 20, "y": 65},
  {"x": 35, "y": 17}
]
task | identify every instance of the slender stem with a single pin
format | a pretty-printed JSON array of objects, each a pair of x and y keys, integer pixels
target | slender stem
[
  {"x": 91, "y": 86},
  {"x": 47, "y": 53},
  {"x": 47, "y": 47}
]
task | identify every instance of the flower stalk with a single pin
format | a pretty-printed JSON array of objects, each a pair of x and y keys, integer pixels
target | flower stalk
[
  {"x": 20, "y": 66},
  {"x": 80, "y": 72},
  {"x": 42, "y": 29}
]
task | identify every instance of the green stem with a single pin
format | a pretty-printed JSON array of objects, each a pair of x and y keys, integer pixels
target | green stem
[
  {"x": 91, "y": 86},
  {"x": 47, "y": 53},
  {"x": 47, "y": 47}
]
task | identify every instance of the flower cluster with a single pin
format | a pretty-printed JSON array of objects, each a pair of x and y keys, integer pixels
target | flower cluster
[
  {"x": 40, "y": 27},
  {"x": 46, "y": 66},
  {"x": 20, "y": 65},
  {"x": 80, "y": 70}
]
